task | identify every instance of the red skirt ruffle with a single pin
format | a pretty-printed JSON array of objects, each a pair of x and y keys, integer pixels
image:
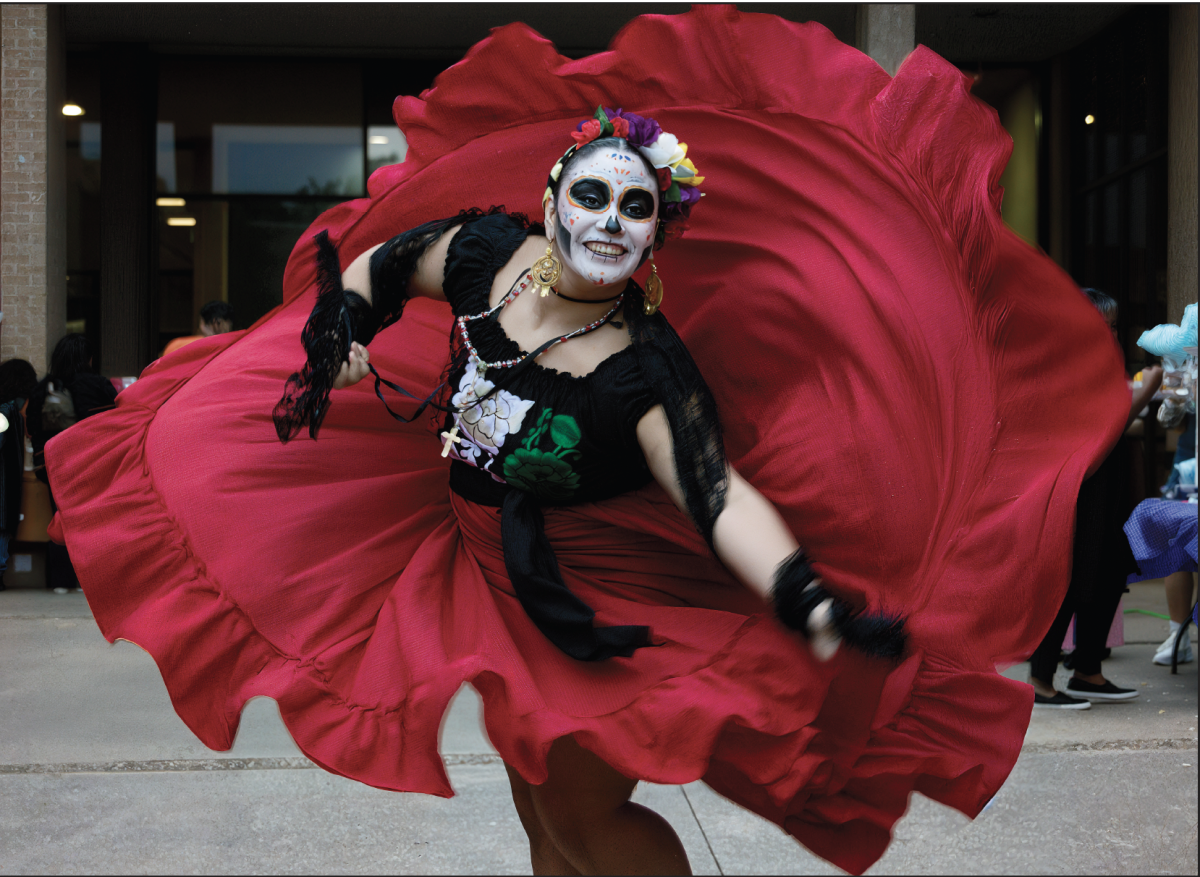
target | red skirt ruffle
[{"x": 917, "y": 390}]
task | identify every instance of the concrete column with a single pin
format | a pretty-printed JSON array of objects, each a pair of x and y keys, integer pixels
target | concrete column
[
  {"x": 33, "y": 289},
  {"x": 887, "y": 32},
  {"x": 1181, "y": 160}
]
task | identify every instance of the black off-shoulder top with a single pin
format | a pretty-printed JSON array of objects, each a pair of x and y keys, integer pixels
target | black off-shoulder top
[{"x": 560, "y": 437}]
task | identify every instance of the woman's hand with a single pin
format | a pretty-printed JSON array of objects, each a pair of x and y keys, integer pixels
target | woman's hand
[{"x": 354, "y": 369}]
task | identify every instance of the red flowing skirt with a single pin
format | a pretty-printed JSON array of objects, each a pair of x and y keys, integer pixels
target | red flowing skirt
[{"x": 918, "y": 391}]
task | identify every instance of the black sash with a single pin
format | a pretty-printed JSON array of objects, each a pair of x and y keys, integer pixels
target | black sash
[{"x": 532, "y": 567}]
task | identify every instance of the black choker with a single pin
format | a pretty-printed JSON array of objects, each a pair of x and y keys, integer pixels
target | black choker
[{"x": 587, "y": 301}]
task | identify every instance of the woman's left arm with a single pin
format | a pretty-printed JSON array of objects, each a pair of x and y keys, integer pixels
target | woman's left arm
[
  {"x": 752, "y": 540},
  {"x": 749, "y": 535}
]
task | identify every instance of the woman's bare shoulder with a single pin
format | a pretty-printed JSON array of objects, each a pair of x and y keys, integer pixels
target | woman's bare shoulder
[{"x": 523, "y": 257}]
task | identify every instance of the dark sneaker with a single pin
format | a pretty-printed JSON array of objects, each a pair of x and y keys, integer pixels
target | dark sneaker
[
  {"x": 1060, "y": 701},
  {"x": 1105, "y": 692}
]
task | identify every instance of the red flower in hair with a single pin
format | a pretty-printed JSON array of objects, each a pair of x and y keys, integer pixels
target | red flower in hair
[
  {"x": 620, "y": 127},
  {"x": 664, "y": 178},
  {"x": 587, "y": 132}
]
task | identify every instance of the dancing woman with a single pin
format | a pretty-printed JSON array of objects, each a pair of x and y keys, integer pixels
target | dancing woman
[
  {"x": 879, "y": 350},
  {"x": 571, "y": 423}
]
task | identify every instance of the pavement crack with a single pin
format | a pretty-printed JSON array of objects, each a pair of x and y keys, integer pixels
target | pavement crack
[
  {"x": 205, "y": 765},
  {"x": 1110, "y": 745},
  {"x": 703, "y": 833}
]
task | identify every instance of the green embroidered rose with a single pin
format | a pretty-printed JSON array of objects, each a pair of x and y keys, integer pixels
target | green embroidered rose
[
  {"x": 546, "y": 474},
  {"x": 541, "y": 473}
]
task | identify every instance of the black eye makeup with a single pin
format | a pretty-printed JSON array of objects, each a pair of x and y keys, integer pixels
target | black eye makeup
[
  {"x": 637, "y": 204},
  {"x": 590, "y": 193}
]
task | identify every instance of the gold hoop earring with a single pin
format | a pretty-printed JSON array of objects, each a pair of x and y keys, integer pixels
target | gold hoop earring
[
  {"x": 546, "y": 271},
  {"x": 654, "y": 289}
]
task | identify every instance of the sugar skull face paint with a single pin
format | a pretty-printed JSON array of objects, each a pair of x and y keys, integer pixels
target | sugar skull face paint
[{"x": 605, "y": 215}]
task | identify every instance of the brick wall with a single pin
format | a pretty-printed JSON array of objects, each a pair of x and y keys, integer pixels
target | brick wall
[{"x": 23, "y": 183}]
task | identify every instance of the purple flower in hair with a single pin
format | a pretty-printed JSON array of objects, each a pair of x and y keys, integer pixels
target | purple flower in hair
[
  {"x": 642, "y": 131},
  {"x": 681, "y": 209},
  {"x": 669, "y": 211}
]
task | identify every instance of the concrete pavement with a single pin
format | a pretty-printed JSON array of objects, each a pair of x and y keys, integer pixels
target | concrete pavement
[{"x": 98, "y": 775}]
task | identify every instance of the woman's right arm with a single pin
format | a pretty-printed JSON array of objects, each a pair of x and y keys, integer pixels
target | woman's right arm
[
  {"x": 426, "y": 281},
  {"x": 352, "y": 306}
]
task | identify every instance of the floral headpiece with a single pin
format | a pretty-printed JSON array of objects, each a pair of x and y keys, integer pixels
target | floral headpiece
[{"x": 678, "y": 182}]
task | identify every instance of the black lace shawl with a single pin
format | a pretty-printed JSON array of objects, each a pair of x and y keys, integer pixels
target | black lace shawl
[{"x": 700, "y": 463}]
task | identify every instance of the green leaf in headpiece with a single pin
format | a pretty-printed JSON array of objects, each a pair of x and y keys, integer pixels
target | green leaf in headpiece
[
  {"x": 672, "y": 194},
  {"x": 606, "y": 127}
]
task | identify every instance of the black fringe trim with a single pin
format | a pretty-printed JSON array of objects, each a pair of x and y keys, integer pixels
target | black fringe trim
[
  {"x": 326, "y": 339},
  {"x": 700, "y": 462}
]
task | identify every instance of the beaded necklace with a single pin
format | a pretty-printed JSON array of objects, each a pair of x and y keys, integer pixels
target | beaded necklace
[{"x": 481, "y": 366}]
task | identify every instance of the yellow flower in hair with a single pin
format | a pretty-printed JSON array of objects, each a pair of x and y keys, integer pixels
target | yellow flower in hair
[{"x": 685, "y": 172}]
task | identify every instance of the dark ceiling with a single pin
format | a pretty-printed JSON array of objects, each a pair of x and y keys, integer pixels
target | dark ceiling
[
  {"x": 968, "y": 33},
  {"x": 965, "y": 33}
]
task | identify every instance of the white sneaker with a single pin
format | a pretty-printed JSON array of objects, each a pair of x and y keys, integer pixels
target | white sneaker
[{"x": 1163, "y": 655}]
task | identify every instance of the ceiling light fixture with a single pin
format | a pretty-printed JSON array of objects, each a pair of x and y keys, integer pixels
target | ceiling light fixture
[
  {"x": 170, "y": 202},
  {"x": 181, "y": 220},
  {"x": 72, "y": 110}
]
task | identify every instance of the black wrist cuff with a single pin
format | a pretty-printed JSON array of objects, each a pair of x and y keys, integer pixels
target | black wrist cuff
[
  {"x": 791, "y": 593},
  {"x": 795, "y": 597}
]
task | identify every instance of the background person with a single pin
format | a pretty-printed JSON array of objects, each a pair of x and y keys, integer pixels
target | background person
[
  {"x": 18, "y": 381},
  {"x": 1101, "y": 561},
  {"x": 216, "y": 318},
  {"x": 52, "y": 411}
]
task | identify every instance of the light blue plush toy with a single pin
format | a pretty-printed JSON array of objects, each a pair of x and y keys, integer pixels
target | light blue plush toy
[{"x": 1167, "y": 339}]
